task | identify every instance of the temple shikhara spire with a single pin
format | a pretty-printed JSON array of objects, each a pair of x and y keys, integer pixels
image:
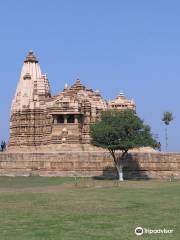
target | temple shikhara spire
[
  {"x": 60, "y": 122},
  {"x": 32, "y": 86}
]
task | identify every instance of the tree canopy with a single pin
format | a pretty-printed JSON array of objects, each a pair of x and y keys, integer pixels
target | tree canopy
[
  {"x": 121, "y": 131},
  {"x": 167, "y": 117}
]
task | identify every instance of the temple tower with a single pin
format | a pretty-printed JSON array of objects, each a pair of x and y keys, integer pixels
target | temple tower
[
  {"x": 28, "y": 108},
  {"x": 32, "y": 87}
]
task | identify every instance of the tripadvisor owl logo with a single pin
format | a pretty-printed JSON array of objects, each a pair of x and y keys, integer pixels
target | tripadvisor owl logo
[{"x": 139, "y": 231}]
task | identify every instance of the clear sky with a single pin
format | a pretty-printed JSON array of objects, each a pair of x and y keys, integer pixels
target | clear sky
[{"x": 111, "y": 45}]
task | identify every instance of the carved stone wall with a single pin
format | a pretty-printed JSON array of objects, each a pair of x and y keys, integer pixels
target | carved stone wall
[
  {"x": 30, "y": 127},
  {"x": 64, "y": 118}
]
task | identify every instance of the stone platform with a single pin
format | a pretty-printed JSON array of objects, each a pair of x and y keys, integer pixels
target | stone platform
[{"x": 89, "y": 163}]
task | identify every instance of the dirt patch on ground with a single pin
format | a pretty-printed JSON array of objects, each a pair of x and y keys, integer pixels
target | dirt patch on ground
[{"x": 84, "y": 183}]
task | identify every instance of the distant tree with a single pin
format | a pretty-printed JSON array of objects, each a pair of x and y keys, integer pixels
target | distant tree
[
  {"x": 167, "y": 118},
  {"x": 3, "y": 145},
  {"x": 120, "y": 131}
]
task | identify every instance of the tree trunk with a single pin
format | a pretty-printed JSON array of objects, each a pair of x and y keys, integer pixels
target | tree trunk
[
  {"x": 118, "y": 164},
  {"x": 166, "y": 137},
  {"x": 120, "y": 172}
]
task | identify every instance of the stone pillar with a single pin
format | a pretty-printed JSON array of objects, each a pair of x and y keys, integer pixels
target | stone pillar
[
  {"x": 65, "y": 119},
  {"x": 76, "y": 119},
  {"x": 55, "y": 120}
]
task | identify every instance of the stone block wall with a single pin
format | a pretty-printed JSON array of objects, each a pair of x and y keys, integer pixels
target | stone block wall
[{"x": 137, "y": 165}]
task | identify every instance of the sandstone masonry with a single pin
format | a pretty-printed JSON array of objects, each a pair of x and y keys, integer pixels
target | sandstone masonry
[
  {"x": 40, "y": 120},
  {"x": 89, "y": 163}
]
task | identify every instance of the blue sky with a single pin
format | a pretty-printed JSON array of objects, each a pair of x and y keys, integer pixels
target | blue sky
[{"x": 111, "y": 45}]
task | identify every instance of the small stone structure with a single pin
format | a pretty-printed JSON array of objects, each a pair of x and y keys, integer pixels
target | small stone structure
[{"x": 121, "y": 103}]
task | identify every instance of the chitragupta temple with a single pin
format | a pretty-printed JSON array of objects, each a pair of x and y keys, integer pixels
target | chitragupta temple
[{"x": 40, "y": 120}]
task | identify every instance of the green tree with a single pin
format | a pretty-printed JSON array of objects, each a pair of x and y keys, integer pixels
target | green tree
[
  {"x": 167, "y": 118},
  {"x": 120, "y": 131}
]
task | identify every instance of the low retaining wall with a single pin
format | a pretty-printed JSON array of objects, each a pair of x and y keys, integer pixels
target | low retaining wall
[{"x": 138, "y": 165}]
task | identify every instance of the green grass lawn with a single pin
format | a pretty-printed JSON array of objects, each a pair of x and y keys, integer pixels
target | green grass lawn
[{"x": 40, "y": 208}]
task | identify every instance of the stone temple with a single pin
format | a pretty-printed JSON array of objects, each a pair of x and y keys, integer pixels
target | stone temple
[
  {"x": 61, "y": 122},
  {"x": 49, "y": 135}
]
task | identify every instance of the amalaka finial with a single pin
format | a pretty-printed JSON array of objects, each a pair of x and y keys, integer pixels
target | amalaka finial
[{"x": 30, "y": 57}]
